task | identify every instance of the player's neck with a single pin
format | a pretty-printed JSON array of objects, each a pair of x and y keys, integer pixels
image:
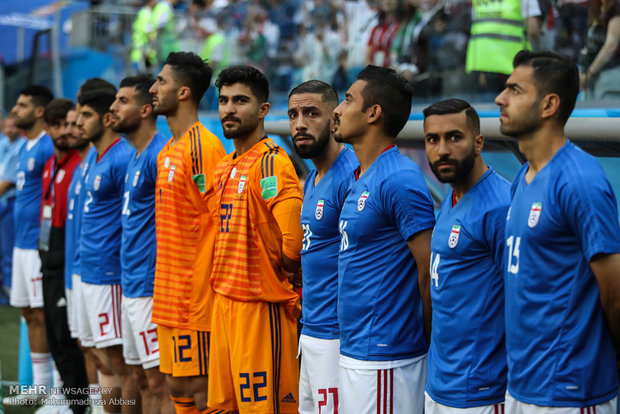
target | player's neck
[
  {"x": 181, "y": 121},
  {"x": 459, "y": 188},
  {"x": 243, "y": 144},
  {"x": 142, "y": 137},
  {"x": 35, "y": 131},
  {"x": 60, "y": 154},
  {"x": 84, "y": 151},
  {"x": 369, "y": 148},
  {"x": 107, "y": 139},
  {"x": 325, "y": 159},
  {"x": 539, "y": 147}
]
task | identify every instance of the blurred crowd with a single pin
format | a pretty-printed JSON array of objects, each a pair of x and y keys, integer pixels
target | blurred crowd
[{"x": 425, "y": 40}]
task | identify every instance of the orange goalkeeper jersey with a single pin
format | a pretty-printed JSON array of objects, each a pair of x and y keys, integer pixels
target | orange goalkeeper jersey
[
  {"x": 182, "y": 296},
  {"x": 249, "y": 242}
]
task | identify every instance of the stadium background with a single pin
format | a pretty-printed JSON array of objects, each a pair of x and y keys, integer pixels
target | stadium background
[{"x": 63, "y": 43}]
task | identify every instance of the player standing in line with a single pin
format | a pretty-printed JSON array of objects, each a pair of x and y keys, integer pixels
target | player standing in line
[
  {"x": 27, "y": 291},
  {"x": 562, "y": 261},
  {"x": 8, "y": 177},
  {"x": 252, "y": 365},
  {"x": 57, "y": 175},
  {"x": 310, "y": 110},
  {"x": 384, "y": 308},
  {"x": 182, "y": 296},
  {"x": 77, "y": 196},
  {"x": 132, "y": 114},
  {"x": 100, "y": 239},
  {"x": 467, "y": 355}
]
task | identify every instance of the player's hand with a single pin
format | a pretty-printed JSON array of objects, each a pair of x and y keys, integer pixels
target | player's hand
[{"x": 295, "y": 279}]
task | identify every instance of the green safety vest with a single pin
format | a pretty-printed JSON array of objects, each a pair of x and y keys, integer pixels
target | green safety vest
[
  {"x": 211, "y": 42},
  {"x": 142, "y": 26},
  {"x": 167, "y": 38},
  {"x": 497, "y": 34}
]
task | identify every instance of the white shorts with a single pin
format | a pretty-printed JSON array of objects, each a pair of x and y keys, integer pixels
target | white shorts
[
  {"x": 517, "y": 407},
  {"x": 382, "y": 387},
  {"x": 27, "y": 288},
  {"x": 433, "y": 407},
  {"x": 81, "y": 315},
  {"x": 101, "y": 326},
  {"x": 73, "y": 299},
  {"x": 318, "y": 376},
  {"x": 140, "y": 346}
]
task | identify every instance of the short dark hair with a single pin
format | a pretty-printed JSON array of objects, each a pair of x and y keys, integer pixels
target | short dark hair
[
  {"x": 392, "y": 92},
  {"x": 56, "y": 110},
  {"x": 39, "y": 95},
  {"x": 327, "y": 92},
  {"x": 94, "y": 84},
  {"x": 455, "y": 106},
  {"x": 553, "y": 73},
  {"x": 247, "y": 75},
  {"x": 191, "y": 71},
  {"x": 100, "y": 100},
  {"x": 142, "y": 83}
]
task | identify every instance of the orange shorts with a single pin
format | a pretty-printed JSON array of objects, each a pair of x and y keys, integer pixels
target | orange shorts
[
  {"x": 183, "y": 352},
  {"x": 253, "y": 366}
]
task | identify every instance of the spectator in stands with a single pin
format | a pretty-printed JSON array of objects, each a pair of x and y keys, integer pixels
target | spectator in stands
[
  {"x": 143, "y": 55},
  {"x": 383, "y": 34},
  {"x": 401, "y": 57},
  {"x": 163, "y": 22},
  {"x": 603, "y": 73},
  {"x": 497, "y": 34}
]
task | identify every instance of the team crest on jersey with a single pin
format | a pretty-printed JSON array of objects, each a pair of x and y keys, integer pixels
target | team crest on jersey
[
  {"x": 454, "y": 236},
  {"x": 167, "y": 162},
  {"x": 171, "y": 173},
  {"x": 361, "y": 203},
  {"x": 241, "y": 185},
  {"x": 30, "y": 164},
  {"x": 136, "y": 177},
  {"x": 233, "y": 172},
  {"x": 59, "y": 176},
  {"x": 532, "y": 220},
  {"x": 318, "y": 213},
  {"x": 97, "y": 183}
]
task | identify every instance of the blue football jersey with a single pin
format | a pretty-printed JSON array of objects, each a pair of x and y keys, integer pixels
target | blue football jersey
[
  {"x": 319, "y": 253},
  {"x": 29, "y": 188},
  {"x": 9, "y": 163},
  {"x": 138, "y": 248},
  {"x": 467, "y": 355},
  {"x": 100, "y": 239},
  {"x": 379, "y": 304},
  {"x": 559, "y": 348},
  {"x": 73, "y": 225}
]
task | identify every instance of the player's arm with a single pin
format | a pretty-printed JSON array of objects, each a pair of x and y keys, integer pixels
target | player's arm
[
  {"x": 606, "y": 268},
  {"x": 287, "y": 213},
  {"x": 5, "y": 186},
  {"x": 420, "y": 246},
  {"x": 282, "y": 194}
]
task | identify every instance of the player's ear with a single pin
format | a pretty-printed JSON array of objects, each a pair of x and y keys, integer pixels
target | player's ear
[
  {"x": 478, "y": 144},
  {"x": 146, "y": 110},
  {"x": 38, "y": 111},
  {"x": 550, "y": 105},
  {"x": 263, "y": 110},
  {"x": 183, "y": 93},
  {"x": 373, "y": 113},
  {"x": 107, "y": 120}
]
